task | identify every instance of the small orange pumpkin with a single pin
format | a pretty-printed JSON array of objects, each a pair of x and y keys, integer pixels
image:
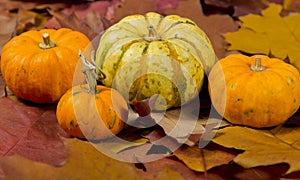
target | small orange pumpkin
[
  {"x": 256, "y": 91},
  {"x": 38, "y": 66},
  {"x": 92, "y": 111}
]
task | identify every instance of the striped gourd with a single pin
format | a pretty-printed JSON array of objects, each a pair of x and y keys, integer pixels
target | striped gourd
[{"x": 144, "y": 55}]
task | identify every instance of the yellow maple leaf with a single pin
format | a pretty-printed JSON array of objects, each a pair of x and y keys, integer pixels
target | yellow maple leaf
[
  {"x": 263, "y": 147},
  {"x": 268, "y": 33}
]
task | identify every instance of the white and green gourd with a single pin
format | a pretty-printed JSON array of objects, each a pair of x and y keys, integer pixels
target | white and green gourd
[{"x": 145, "y": 55}]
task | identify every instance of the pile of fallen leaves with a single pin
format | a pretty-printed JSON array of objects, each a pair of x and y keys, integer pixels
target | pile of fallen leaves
[{"x": 32, "y": 143}]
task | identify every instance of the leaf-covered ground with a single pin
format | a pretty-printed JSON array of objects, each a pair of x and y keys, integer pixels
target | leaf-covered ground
[{"x": 32, "y": 145}]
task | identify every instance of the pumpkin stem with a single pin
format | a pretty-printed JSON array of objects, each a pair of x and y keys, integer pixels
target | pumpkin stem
[
  {"x": 257, "y": 66},
  {"x": 90, "y": 72},
  {"x": 47, "y": 43},
  {"x": 152, "y": 34}
]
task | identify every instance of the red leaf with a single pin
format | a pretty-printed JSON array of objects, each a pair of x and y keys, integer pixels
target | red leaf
[
  {"x": 2, "y": 85},
  {"x": 1, "y": 173},
  {"x": 31, "y": 132},
  {"x": 163, "y": 5}
]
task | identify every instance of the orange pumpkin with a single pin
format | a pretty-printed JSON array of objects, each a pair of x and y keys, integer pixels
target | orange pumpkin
[
  {"x": 92, "y": 116},
  {"x": 256, "y": 91},
  {"x": 38, "y": 66},
  {"x": 92, "y": 111}
]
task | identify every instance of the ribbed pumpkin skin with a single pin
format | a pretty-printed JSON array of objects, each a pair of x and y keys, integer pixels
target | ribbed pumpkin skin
[
  {"x": 170, "y": 64},
  {"x": 41, "y": 75},
  {"x": 92, "y": 116},
  {"x": 258, "y": 99}
]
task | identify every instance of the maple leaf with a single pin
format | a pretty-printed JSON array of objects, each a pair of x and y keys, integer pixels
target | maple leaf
[
  {"x": 126, "y": 139},
  {"x": 72, "y": 21},
  {"x": 84, "y": 162},
  {"x": 263, "y": 147},
  {"x": 268, "y": 33},
  {"x": 89, "y": 18},
  {"x": 31, "y": 132},
  {"x": 203, "y": 159},
  {"x": 157, "y": 168}
]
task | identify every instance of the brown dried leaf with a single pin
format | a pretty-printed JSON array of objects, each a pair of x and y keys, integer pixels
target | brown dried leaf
[
  {"x": 126, "y": 139},
  {"x": 291, "y": 5},
  {"x": 30, "y": 20},
  {"x": 89, "y": 18},
  {"x": 72, "y": 21},
  {"x": 203, "y": 159},
  {"x": 8, "y": 26},
  {"x": 152, "y": 169},
  {"x": 8, "y": 5},
  {"x": 129, "y": 7},
  {"x": 240, "y": 7},
  {"x": 180, "y": 123},
  {"x": 168, "y": 173}
]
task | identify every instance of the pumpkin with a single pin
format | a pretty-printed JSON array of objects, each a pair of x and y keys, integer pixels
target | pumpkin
[
  {"x": 145, "y": 55},
  {"x": 92, "y": 111},
  {"x": 255, "y": 91},
  {"x": 38, "y": 66}
]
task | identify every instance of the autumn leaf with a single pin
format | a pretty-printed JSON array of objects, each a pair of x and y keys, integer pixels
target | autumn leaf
[
  {"x": 31, "y": 132},
  {"x": 8, "y": 5},
  {"x": 125, "y": 140},
  {"x": 8, "y": 28},
  {"x": 2, "y": 86},
  {"x": 31, "y": 20},
  {"x": 89, "y": 18},
  {"x": 239, "y": 7},
  {"x": 163, "y": 5},
  {"x": 263, "y": 147},
  {"x": 72, "y": 21},
  {"x": 184, "y": 126},
  {"x": 268, "y": 33},
  {"x": 84, "y": 162},
  {"x": 292, "y": 5},
  {"x": 203, "y": 159},
  {"x": 180, "y": 123},
  {"x": 1, "y": 173},
  {"x": 156, "y": 168},
  {"x": 168, "y": 173}
]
